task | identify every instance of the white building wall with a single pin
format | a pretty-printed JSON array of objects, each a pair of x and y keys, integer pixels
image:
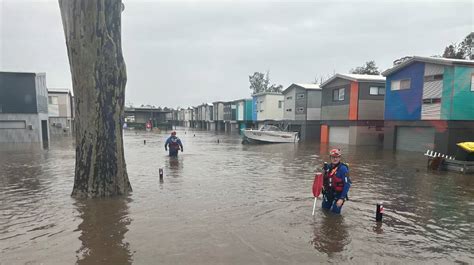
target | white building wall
[
  {"x": 219, "y": 111},
  {"x": 267, "y": 107},
  {"x": 240, "y": 110}
]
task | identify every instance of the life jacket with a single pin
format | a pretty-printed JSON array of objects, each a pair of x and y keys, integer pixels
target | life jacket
[
  {"x": 331, "y": 181},
  {"x": 174, "y": 143}
]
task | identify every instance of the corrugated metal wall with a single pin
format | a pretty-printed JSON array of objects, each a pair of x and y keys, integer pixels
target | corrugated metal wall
[
  {"x": 289, "y": 103},
  {"x": 463, "y": 97},
  {"x": 432, "y": 90},
  {"x": 335, "y": 112},
  {"x": 300, "y": 104},
  {"x": 458, "y": 99},
  {"x": 314, "y": 105},
  {"x": 371, "y": 109},
  {"x": 431, "y": 111}
]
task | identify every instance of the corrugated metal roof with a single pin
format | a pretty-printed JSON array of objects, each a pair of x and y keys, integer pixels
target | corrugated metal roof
[
  {"x": 433, "y": 60},
  {"x": 305, "y": 86},
  {"x": 355, "y": 77},
  {"x": 58, "y": 90},
  {"x": 308, "y": 86},
  {"x": 267, "y": 93}
]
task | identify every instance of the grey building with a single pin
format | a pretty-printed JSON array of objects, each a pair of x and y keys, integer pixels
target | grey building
[
  {"x": 302, "y": 109},
  {"x": 352, "y": 108},
  {"x": 23, "y": 107},
  {"x": 61, "y": 112},
  {"x": 230, "y": 116},
  {"x": 218, "y": 115}
]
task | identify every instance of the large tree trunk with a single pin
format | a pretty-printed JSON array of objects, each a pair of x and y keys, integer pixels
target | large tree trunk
[{"x": 93, "y": 38}]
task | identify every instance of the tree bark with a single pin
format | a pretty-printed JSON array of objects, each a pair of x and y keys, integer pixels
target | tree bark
[{"x": 93, "y": 38}]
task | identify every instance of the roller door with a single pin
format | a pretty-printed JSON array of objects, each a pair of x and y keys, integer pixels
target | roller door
[
  {"x": 415, "y": 138},
  {"x": 339, "y": 134}
]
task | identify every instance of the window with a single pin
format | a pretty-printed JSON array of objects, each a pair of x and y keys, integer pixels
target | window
[
  {"x": 338, "y": 94},
  {"x": 431, "y": 100},
  {"x": 375, "y": 91},
  {"x": 430, "y": 78},
  {"x": 400, "y": 84},
  {"x": 10, "y": 124},
  {"x": 300, "y": 96},
  {"x": 341, "y": 94},
  {"x": 280, "y": 104},
  {"x": 405, "y": 84},
  {"x": 288, "y": 109},
  {"x": 289, "y": 98},
  {"x": 300, "y": 110},
  {"x": 472, "y": 82}
]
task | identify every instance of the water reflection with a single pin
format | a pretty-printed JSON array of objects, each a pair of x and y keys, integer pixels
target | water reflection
[
  {"x": 175, "y": 165},
  {"x": 377, "y": 228},
  {"x": 103, "y": 227},
  {"x": 213, "y": 191},
  {"x": 330, "y": 233}
]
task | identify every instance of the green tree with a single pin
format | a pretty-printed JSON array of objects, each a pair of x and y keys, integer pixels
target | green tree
[
  {"x": 368, "y": 69},
  {"x": 454, "y": 51},
  {"x": 93, "y": 39},
  {"x": 259, "y": 82},
  {"x": 463, "y": 50}
]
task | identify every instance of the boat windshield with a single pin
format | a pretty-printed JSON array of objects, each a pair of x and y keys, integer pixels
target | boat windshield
[{"x": 270, "y": 128}]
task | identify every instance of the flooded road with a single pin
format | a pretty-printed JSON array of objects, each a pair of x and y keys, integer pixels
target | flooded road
[{"x": 228, "y": 203}]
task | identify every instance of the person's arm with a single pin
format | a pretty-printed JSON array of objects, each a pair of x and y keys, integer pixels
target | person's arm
[
  {"x": 180, "y": 144},
  {"x": 347, "y": 183},
  {"x": 166, "y": 144}
]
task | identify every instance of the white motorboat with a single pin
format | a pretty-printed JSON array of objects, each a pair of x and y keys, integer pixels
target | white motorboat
[{"x": 269, "y": 134}]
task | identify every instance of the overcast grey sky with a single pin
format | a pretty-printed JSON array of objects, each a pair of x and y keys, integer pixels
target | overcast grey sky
[{"x": 184, "y": 53}]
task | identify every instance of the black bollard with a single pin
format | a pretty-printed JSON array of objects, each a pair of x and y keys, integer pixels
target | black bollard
[
  {"x": 217, "y": 140},
  {"x": 144, "y": 141},
  {"x": 379, "y": 212},
  {"x": 161, "y": 174},
  {"x": 194, "y": 135}
]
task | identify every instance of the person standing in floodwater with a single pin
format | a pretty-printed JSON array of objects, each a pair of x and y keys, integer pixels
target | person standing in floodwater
[
  {"x": 174, "y": 144},
  {"x": 336, "y": 182}
]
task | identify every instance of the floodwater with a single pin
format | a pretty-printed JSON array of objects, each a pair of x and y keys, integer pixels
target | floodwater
[{"x": 228, "y": 203}]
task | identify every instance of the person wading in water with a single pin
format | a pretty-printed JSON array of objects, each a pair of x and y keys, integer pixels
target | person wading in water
[
  {"x": 336, "y": 182},
  {"x": 174, "y": 144}
]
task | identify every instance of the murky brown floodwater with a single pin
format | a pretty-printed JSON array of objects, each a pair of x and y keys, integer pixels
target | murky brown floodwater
[{"x": 230, "y": 203}]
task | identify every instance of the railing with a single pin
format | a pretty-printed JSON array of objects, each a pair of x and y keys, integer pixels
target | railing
[{"x": 433, "y": 154}]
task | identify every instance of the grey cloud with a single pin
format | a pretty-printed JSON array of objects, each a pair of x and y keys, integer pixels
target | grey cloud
[{"x": 186, "y": 53}]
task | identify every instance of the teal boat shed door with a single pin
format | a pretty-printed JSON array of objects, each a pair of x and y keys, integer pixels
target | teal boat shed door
[{"x": 415, "y": 138}]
